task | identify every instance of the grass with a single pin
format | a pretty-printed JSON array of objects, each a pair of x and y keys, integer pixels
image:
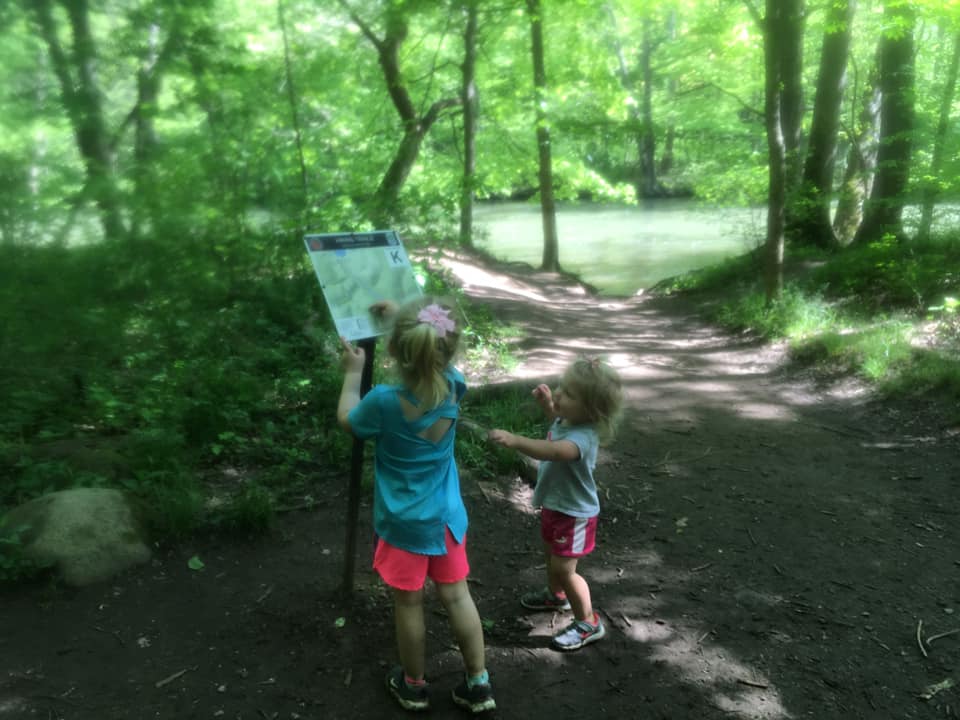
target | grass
[{"x": 886, "y": 312}]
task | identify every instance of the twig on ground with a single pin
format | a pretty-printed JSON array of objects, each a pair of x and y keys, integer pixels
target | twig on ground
[
  {"x": 942, "y": 635},
  {"x": 115, "y": 633},
  {"x": 881, "y": 644},
  {"x": 170, "y": 678},
  {"x": 751, "y": 683},
  {"x": 704, "y": 636},
  {"x": 752, "y": 538},
  {"x": 265, "y": 595},
  {"x": 698, "y": 568},
  {"x": 920, "y": 639}
]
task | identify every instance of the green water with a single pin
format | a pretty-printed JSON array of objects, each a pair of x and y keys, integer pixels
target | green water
[{"x": 621, "y": 250}]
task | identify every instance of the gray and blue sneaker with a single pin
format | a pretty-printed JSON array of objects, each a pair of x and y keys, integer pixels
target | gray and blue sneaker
[{"x": 577, "y": 634}]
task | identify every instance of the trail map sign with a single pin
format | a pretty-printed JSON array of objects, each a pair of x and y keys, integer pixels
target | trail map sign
[{"x": 356, "y": 270}]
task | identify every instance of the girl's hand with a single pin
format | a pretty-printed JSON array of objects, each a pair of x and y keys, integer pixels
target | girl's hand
[
  {"x": 353, "y": 357},
  {"x": 501, "y": 437},
  {"x": 543, "y": 395},
  {"x": 384, "y": 309}
]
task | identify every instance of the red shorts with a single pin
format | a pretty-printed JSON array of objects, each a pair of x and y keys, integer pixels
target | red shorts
[
  {"x": 404, "y": 570},
  {"x": 568, "y": 536}
]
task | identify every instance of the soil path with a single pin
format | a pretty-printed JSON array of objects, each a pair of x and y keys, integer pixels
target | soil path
[{"x": 769, "y": 548}]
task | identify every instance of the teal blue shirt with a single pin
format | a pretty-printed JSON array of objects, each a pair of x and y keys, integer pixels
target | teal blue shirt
[{"x": 416, "y": 484}]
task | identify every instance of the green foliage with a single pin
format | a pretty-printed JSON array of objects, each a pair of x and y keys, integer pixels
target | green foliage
[
  {"x": 15, "y": 567},
  {"x": 909, "y": 275},
  {"x": 511, "y": 409},
  {"x": 792, "y": 315}
]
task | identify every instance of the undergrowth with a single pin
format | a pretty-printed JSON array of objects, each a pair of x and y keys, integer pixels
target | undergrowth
[{"x": 887, "y": 311}]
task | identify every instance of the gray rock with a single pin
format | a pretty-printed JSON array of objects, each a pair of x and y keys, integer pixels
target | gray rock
[{"x": 88, "y": 534}]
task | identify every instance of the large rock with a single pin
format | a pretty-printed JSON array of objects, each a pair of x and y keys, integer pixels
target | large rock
[{"x": 88, "y": 534}]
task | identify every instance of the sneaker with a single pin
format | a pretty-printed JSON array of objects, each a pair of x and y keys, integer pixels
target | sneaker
[
  {"x": 544, "y": 600},
  {"x": 410, "y": 698},
  {"x": 476, "y": 699},
  {"x": 577, "y": 634}
]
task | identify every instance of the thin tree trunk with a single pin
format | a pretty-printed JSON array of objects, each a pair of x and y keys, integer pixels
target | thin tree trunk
[
  {"x": 931, "y": 188},
  {"x": 811, "y": 212},
  {"x": 551, "y": 259},
  {"x": 415, "y": 127},
  {"x": 81, "y": 98},
  {"x": 861, "y": 164},
  {"x": 469, "y": 101},
  {"x": 790, "y": 49},
  {"x": 883, "y": 214},
  {"x": 292, "y": 98},
  {"x": 776, "y": 150}
]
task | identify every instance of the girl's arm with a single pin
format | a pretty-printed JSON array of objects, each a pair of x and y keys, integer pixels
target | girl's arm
[
  {"x": 561, "y": 450},
  {"x": 352, "y": 361}
]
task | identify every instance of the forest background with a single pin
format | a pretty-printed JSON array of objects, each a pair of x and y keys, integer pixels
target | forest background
[{"x": 161, "y": 161}]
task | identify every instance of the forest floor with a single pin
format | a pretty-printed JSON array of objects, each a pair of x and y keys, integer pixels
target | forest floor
[{"x": 773, "y": 544}]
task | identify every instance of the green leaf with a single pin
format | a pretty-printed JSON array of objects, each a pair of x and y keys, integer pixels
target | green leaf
[
  {"x": 340, "y": 622},
  {"x": 195, "y": 563}
]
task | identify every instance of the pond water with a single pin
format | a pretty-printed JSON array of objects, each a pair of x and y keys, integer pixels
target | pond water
[{"x": 622, "y": 249}]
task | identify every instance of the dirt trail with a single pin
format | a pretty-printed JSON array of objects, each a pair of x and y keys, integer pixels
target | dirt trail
[{"x": 767, "y": 549}]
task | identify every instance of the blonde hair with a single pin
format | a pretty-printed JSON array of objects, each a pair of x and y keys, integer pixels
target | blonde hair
[
  {"x": 597, "y": 386},
  {"x": 421, "y": 353}
]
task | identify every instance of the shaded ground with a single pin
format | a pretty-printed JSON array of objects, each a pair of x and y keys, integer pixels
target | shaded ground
[{"x": 768, "y": 548}]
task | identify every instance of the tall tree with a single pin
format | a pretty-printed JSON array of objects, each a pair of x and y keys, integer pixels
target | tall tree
[
  {"x": 292, "y": 97},
  {"x": 883, "y": 213},
  {"x": 551, "y": 254},
  {"x": 811, "y": 207},
  {"x": 861, "y": 163},
  {"x": 82, "y": 98},
  {"x": 931, "y": 187},
  {"x": 468, "y": 98},
  {"x": 415, "y": 125},
  {"x": 782, "y": 25}
]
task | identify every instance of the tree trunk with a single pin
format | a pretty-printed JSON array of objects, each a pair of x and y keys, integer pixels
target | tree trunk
[
  {"x": 292, "y": 98},
  {"x": 468, "y": 99},
  {"x": 415, "y": 127},
  {"x": 931, "y": 187},
  {"x": 649, "y": 187},
  {"x": 774, "y": 27},
  {"x": 551, "y": 259},
  {"x": 82, "y": 100},
  {"x": 790, "y": 49},
  {"x": 883, "y": 214},
  {"x": 811, "y": 211},
  {"x": 861, "y": 163}
]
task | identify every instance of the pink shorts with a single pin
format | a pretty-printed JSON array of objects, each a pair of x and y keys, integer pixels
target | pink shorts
[
  {"x": 404, "y": 570},
  {"x": 568, "y": 536}
]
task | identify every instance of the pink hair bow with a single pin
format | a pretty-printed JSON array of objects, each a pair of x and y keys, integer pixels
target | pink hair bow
[{"x": 437, "y": 318}]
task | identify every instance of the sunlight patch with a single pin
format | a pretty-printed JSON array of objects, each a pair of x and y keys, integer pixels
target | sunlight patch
[
  {"x": 13, "y": 705},
  {"x": 702, "y": 664},
  {"x": 648, "y": 631}
]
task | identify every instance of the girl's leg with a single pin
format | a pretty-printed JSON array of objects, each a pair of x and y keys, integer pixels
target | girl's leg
[
  {"x": 553, "y": 581},
  {"x": 465, "y": 623},
  {"x": 564, "y": 576},
  {"x": 411, "y": 631}
]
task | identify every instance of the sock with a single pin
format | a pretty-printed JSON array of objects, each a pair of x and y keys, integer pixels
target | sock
[
  {"x": 413, "y": 683},
  {"x": 481, "y": 679}
]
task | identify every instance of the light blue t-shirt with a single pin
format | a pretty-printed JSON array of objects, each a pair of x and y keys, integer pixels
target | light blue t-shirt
[
  {"x": 569, "y": 487},
  {"x": 416, "y": 484}
]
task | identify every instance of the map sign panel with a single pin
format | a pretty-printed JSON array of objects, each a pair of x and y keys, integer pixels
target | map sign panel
[{"x": 356, "y": 270}]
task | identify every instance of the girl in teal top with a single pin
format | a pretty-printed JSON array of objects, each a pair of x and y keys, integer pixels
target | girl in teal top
[{"x": 418, "y": 513}]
